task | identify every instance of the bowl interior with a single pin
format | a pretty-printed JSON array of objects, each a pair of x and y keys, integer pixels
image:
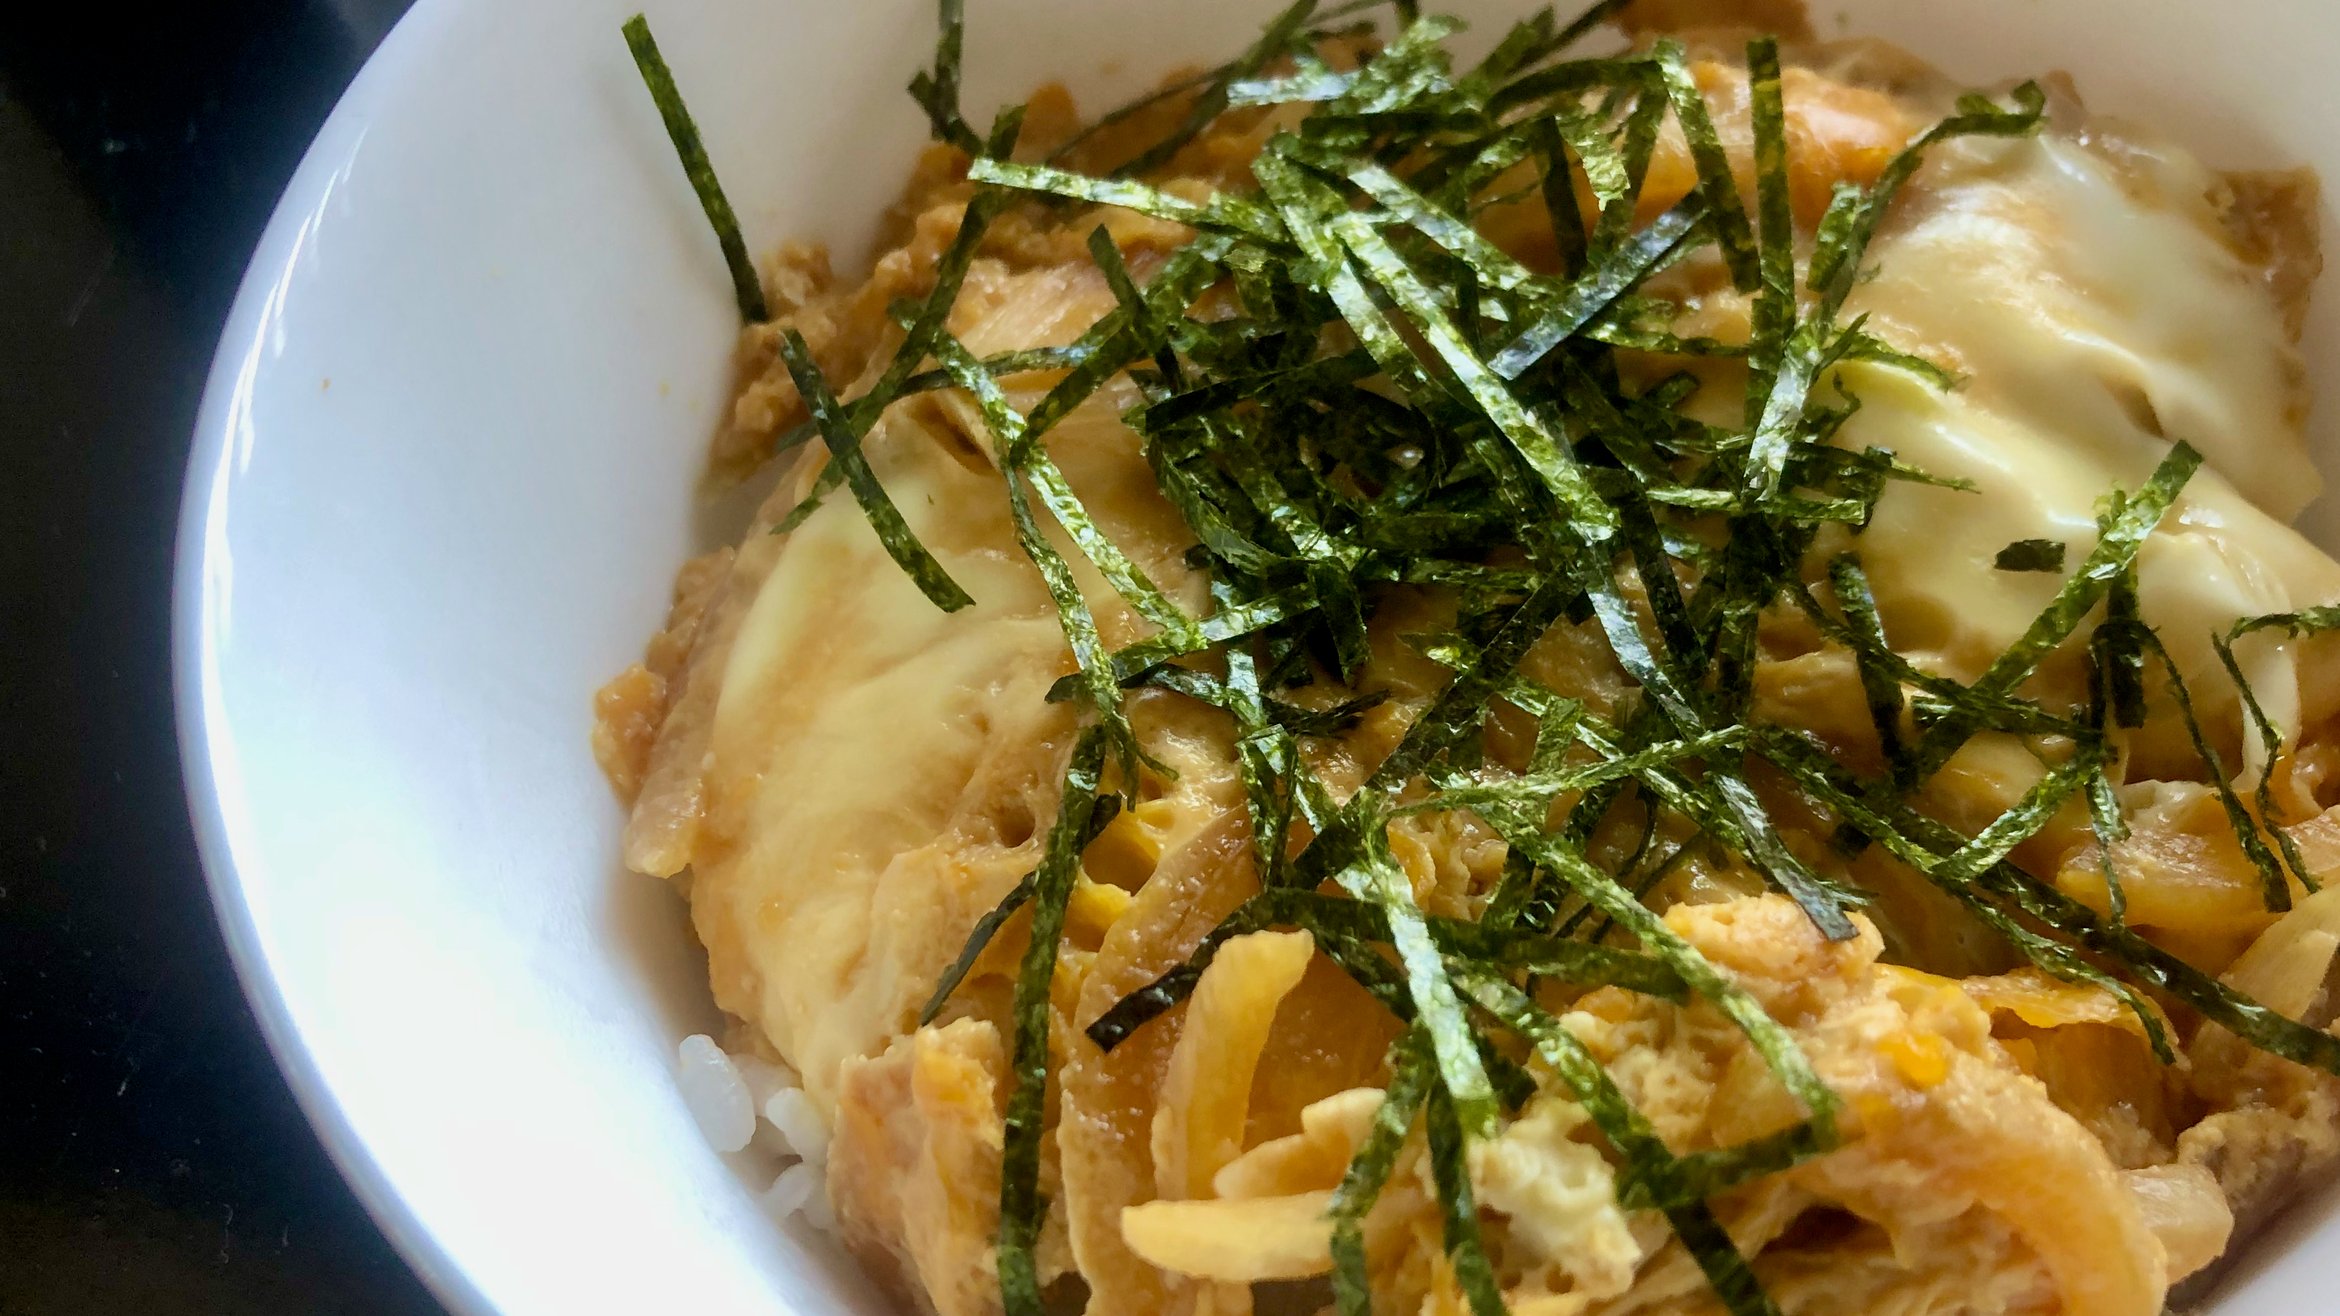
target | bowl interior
[{"x": 443, "y": 476}]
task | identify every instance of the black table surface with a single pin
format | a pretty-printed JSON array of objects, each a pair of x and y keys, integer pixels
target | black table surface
[{"x": 151, "y": 1157}]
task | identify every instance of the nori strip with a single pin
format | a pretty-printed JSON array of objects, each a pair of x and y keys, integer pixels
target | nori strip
[
  {"x": 1020, "y": 1203},
  {"x": 746, "y": 287}
]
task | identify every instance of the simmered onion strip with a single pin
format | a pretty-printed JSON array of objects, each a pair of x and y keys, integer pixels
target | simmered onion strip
[
  {"x": 1198, "y": 1127},
  {"x": 1241, "y": 1240}
]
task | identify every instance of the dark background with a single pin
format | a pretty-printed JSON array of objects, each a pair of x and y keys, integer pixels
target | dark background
[{"x": 151, "y": 1158}]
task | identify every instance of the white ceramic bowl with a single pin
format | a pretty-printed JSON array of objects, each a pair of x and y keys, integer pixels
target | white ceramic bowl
[{"x": 444, "y": 474}]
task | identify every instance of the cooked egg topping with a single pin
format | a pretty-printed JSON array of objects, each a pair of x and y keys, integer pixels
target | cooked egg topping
[{"x": 850, "y": 779}]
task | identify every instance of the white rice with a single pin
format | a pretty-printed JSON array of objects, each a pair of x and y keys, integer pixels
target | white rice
[
  {"x": 766, "y": 1080},
  {"x": 791, "y": 1191},
  {"x": 792, "y": 1116},
  {"x": 716, "y": 1093},
  {"x": 800, "y": 1188},
  {"x": 764, "y": 1077},
  {"x": 741, "y": 1101}
]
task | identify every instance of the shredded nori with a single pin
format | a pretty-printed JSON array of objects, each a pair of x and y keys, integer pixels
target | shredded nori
[
  {"x": 2297, "y": 624},
  {"x": 937, "y": 89},
  {"x": 683, "y": 131},
  {"x": 978, "y": 940},
  {"x": 2031, "y": 555},
  {"x": 1377, "y": 396},
  {"x": 1473, "y": 1273},
  {"x": 845, "y": 455},
  {"x": 1410, "y": 1071},
  {"x": 1020, "y": 1204}
]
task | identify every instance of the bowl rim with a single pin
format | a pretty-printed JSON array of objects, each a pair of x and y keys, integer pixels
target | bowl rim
[{"x": 211, "y": 789}]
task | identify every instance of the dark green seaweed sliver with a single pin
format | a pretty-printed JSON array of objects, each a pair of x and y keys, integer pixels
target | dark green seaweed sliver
[
  {"x": 1721, "y": 1261},
  {"x": 684, "y": 133},
  {"x": 1715, "y": 183},
  {"x": 989, "y": 925},
  {"x": 2270, "y": 749},
  {"x": 1056, "y": 493},
  {"x": 1734, "y": 809},
  {"x": 1410, "y": 1072},
  {"x": 1609, "y": 274},
  {"x": 2274, "y": 890},
  {"x": 1880, "y": 686},
  {"x": 1211, "y": 101},
  {"x": 1020, "y": 1205},
  {"x": 927, "y": 381},
  {"x": 845, "y": 455},
  {"x": 2108, "y": 827},
  {"x": 2116, "y": 648},
  {"x": 1853, "y": 215},
  {"x": 2031, "y": 555},
  {"x": 1465, "y": 1249},
  {"x": 1558, "y": 189},
  {"x": 978, "y": 940},
  {"x": 1775, "y": 294},
  {"x": 1125, "y": 112},
  {"x": 1226, "y": 212},
  {"x": 2020, "y": 822},
  {"x": 937, "y": 90},
  {"x": 1583, "y": 24},
  {"x": 1463, "y": 1075},
  {"x": 1543, "y": 451},
  {"x": 1464, "y": 794},
  {"x": 2306, "y": 621},
  {"x": 1771, "y": 1040}
]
